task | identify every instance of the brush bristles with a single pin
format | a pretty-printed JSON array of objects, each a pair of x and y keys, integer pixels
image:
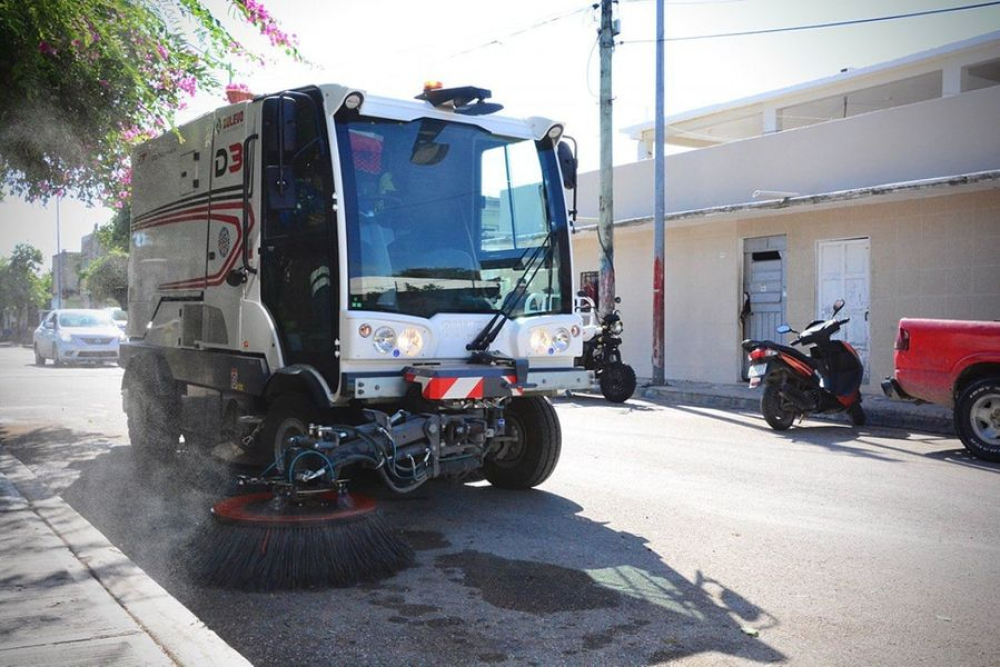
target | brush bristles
[{"x": 338, "y": 553}]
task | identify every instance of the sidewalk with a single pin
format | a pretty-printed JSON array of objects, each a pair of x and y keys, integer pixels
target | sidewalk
[
  {"x": 881, "y": 411},
  {"x": 69, "y": 597}
]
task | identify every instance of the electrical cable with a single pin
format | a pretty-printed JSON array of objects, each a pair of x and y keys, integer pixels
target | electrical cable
[
  {"x": 521, "y": 31},
  {"x": 816, "y": 26}
]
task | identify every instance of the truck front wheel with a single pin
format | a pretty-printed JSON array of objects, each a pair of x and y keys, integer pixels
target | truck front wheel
[
  {"x": 152, "y": 416},
  {"x": 977, "y": 419},
  {"x": 530, "y": 455},
  {"x": 287, "y": 416}
]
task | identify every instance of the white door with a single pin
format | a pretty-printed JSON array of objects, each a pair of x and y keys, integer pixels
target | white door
[{"x": 844, "y": 273}]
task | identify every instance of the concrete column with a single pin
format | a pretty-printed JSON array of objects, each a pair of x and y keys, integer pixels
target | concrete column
[{"x": 951, "y": 80}]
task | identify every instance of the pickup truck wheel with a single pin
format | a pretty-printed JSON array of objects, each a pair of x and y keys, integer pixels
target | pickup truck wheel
[
  {"x": 772, "y": 406},
  {"x": 977, "y": 419},
  {"x": 531, "y": 455}
]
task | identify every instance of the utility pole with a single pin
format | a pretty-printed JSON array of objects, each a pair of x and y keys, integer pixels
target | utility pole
[
  {"x": 605, "y": 227},
  {"x": 659, "y": 205},
  {"x": 57, "y": 264}
]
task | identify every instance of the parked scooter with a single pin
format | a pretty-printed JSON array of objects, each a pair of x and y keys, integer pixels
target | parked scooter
[
  {"x": 795, "y": 385},
  {"x": 601, "y": 354}
]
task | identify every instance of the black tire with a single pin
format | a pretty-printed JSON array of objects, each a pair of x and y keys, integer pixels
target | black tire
[
  {"x": 977, "y": 419},
  {"x": 618, "y": 382},
  {"x": 39, "y": 359},
  {"x": 772, "y": 407},
  {"x": 288, "y": 415},
  {"x": 152, "y": 411},
  {"x": 530, "y": 458},
  {"x": 857, "y": 415}
]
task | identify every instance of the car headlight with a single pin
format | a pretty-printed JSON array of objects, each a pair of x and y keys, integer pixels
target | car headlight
[
  {"x": 65, "y": 337},
  {"x": 411, "y": 342},
  {"x": 384, "y": 340}
]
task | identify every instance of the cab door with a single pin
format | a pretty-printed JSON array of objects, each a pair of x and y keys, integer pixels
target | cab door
[{"x": 299, "y": 283}]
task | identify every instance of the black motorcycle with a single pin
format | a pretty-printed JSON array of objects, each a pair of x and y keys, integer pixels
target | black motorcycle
[
  {"x": 601, "y": 355},
  {"x": 826, "y": 380}
]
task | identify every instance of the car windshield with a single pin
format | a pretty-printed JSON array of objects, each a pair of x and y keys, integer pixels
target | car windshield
[
  {"x": 444, "y": 217},
  {"x": 84, "y": 320}
]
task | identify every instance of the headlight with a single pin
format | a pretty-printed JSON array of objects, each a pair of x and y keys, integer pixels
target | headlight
[
  {"x": 65, "y": 337},
  {"x": 384, "y": 340},
  {"x": 411, "y": 342},
  {"x": 541, "y": 341},
  {"x": 560, "y": 340}
]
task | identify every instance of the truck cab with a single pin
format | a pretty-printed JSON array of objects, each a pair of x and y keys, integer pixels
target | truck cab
[{"x": 304, "y": 254}]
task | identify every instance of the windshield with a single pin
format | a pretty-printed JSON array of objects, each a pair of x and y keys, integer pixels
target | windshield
[
  {"x": 444, "y": 217},
  {"x": 83, "y": 320}
]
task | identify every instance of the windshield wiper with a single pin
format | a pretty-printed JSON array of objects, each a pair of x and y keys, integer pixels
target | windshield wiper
[{"x": 537, "y": 257}]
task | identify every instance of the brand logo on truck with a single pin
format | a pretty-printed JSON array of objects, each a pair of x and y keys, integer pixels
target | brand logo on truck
[
  {"x": 232, "y": 120},
  {"x": 228, "y": 158}
]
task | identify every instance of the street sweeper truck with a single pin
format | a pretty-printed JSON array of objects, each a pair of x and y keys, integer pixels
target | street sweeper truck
[{"x": 326, "y": 279}]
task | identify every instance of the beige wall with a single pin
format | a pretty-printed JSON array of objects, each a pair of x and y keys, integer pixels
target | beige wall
[
  {"x": 932, "y": 139},
  {"x": 930, "y": 257}
]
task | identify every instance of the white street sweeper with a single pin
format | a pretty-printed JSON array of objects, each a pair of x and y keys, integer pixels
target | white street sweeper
[{"x": 331, "y": 279}]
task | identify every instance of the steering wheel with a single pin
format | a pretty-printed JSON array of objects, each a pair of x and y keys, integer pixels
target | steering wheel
[{"x": 375, "y": 204}]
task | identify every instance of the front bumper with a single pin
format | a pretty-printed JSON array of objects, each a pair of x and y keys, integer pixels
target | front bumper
[
  {"x": 80, "y": 351},
  {"x": 541, "y": 382}
]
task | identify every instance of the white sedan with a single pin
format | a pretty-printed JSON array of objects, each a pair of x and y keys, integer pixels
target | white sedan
[{"x": 77, "y": 336}]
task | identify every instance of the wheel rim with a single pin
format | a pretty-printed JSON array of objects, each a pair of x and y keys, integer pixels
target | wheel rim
[
  {"x": 985, "y": 419},
  {"x": 289, "y": 427},
  {"x": 513, "y": 450}
]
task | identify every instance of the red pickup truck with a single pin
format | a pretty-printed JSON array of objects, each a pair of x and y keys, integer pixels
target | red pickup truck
[{"x": 956, "y": 364}]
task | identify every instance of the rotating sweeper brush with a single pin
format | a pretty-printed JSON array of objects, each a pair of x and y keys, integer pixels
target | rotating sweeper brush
[
  {"x": 321, "y": 537},
  {"x": 307, "y": 530}
]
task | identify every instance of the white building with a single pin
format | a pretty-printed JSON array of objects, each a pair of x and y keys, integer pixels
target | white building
[{"x": 879, "y": 185}]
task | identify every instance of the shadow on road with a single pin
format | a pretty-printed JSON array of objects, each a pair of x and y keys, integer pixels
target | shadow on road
[{"x": 500, "y": 576}]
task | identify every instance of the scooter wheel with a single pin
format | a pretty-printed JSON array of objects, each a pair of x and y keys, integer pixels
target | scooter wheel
[
  {"x": 618, "y": 382},
  {"x": 857, "y": 415},
  {"x": 775, "y": 413}
]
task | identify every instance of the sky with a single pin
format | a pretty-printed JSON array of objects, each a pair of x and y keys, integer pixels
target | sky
[{"x": 539, "y": 58}]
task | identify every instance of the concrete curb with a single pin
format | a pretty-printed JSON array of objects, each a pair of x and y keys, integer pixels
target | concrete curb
[
  {"x": 180, "y": 634},
  {"x": 882, "y": 412}
]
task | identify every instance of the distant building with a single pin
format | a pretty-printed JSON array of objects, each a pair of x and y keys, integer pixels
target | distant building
[
  {"x": 66, "y": 278},
  {"x": 90, "y": 249},
  {"x": 878, "y": 185}
]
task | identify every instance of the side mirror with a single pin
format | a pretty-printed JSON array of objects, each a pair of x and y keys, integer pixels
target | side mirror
[
  {"x": 568, "y": 164},
  {"x": 837, "y": 306},
  {"x": 784, "y": 329},
  {"x": 280, "y": 183},
  {"x": 281, "y": 133}
]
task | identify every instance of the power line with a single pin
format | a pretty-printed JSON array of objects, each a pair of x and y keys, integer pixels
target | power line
[
  {"x": 815, "y": 26},
  {"x": 520, "y": 31}
]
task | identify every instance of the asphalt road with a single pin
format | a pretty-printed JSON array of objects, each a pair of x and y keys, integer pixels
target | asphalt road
[{"x": 667, "y": 533}]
